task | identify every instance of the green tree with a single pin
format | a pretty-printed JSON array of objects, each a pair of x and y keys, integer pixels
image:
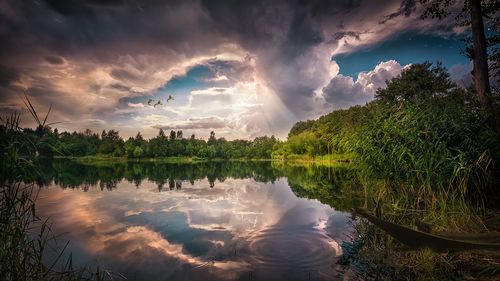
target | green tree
[
  {"x": 138, "y": 152},
  {"x": 417, "y": 84},
  {"x": 212, "y": 140},
  {"x": 129, "y": 147},
  {"x": 211, "y": 152},
  {"x": 300, "y": 126}
]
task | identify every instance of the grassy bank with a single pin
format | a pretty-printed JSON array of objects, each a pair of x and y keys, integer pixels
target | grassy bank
[
  {"x": 182, "y": 159},
  {"x": 339, "y": 157},
  {"x": 111, "y": 158},
  {"x": 423, "y": 153}
]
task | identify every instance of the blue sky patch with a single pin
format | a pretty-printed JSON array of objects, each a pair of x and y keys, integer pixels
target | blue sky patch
[{"x": 406, "y": 48}]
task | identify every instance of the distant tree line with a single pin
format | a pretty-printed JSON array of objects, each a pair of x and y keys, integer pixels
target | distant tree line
[
  {"x": 86, "y": 143},
  {"x": 421, "y": 130},
  {"x": 447, "y": 114}
]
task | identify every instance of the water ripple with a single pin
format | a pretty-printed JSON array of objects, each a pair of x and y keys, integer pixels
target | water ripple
[{"x": 293, "y": 249}]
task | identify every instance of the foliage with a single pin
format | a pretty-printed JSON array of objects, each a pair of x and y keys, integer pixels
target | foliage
[
  {"x": 25, "y": 236},
  {"x": 417, "y": 84},
  {"x": 424, "y": 151},
  {"x": 87, "y": 143},
  {"x": 422, "y": 133}
]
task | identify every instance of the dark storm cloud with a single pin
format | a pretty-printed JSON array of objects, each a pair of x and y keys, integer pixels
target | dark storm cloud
[
  {"x": 281, "y": 32},
  {"x": 406, "y": 9},
  {"x": 71, "y": 25},
  {"x": 340, "y": 35},
  {"x": 232, "y": 70},
  {"x": 99, "y": 54},
  {"x": 301, "y": 35},
  {"x": 71, "y": 7},
  {"x": 7, "y": 75},
  {"x": 54, "y": 60}
]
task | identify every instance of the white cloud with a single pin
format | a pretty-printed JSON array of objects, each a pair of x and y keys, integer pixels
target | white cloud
[
  {"x": 356, "y": 34},
  {"x": 211, "y": 122},
  {"x": 136, "y": 105},
  {"x": 239, "y": 213},
  {"x": 277, "y": 61},
  {"x": 343, "y": 92}
]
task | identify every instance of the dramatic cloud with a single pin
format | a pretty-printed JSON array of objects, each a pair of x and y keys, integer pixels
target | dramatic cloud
[
  {"x": 136, "y": 105},
  {"x": 342, "y": 91},
  {"x": 196, "y": 123},
  {"x": 262, "y": 65},
  {"x": 211, "y": 222}
]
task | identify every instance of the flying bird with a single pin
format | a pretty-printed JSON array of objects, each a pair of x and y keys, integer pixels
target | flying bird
[
  {"x": 158, "y": 103},
  {"x": 170, "y": 98},
  {"x": 149, "y": 101}
]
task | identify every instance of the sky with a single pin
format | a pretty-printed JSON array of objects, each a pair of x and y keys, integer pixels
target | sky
[{"x": 240, "y": 68}]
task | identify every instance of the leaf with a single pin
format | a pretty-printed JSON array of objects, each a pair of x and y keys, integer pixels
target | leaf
[{"x": 48, "y": 112}]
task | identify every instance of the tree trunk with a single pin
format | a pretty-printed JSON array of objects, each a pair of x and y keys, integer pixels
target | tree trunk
[{"x": 481, "y": 77}]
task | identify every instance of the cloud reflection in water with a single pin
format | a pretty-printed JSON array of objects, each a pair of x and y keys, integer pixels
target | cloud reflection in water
[{"x": 219, "y": 233}]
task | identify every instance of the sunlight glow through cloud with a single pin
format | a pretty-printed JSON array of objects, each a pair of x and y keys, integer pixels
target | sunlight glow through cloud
[{"x": 259, "y": 70}]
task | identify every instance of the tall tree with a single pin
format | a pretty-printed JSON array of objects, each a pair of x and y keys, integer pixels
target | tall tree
[
  {"x": 212, "y": 140},
  {"x": 472, "y": 14},
  {"x": 480, "y": 58},
  {"x": 161, "y": 134},
  {"x": 417, "y": 84}
]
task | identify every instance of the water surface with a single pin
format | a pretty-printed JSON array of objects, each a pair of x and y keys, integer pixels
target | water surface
[{"x": 205, "y": 221}]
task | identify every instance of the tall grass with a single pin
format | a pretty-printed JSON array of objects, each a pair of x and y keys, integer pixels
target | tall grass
[
  {"x": 25, "y": 237},
  {"x": 426, "y": 157},
  {"x": 408, "y": 163}
]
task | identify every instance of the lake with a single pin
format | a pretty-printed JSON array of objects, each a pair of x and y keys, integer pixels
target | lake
[{"x": 231, "y": 220}]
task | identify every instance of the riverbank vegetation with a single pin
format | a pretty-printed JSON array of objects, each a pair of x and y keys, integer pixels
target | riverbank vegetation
[
  {"x": 426, "y": 154},
  {"x": 29, "y": 250},
  {"x": 423, "y": 138},
  {"x": 423, "y": 144},
  {"x": 423, "y": 153}
]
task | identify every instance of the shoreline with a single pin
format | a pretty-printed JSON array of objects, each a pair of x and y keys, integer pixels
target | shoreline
[{"x": 185, "y": 159}]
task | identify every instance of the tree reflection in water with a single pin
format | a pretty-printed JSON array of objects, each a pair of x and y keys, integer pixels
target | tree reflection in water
[{"x": 247, "y": 215}]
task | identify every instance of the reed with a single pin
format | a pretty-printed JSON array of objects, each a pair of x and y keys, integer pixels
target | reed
[
  {"x": 25, "y": 236},
  {"x": 417, "y": 167},
  {"x": 408, "y": 165}
]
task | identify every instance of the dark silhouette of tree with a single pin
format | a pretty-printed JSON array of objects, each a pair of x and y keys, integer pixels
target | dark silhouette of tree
[
  {"x": 114, "y": 135},
  {"x": 472, "y": 15},
  {"x": 212, "y": 140},
  {"x": 161, "y": 133}
]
